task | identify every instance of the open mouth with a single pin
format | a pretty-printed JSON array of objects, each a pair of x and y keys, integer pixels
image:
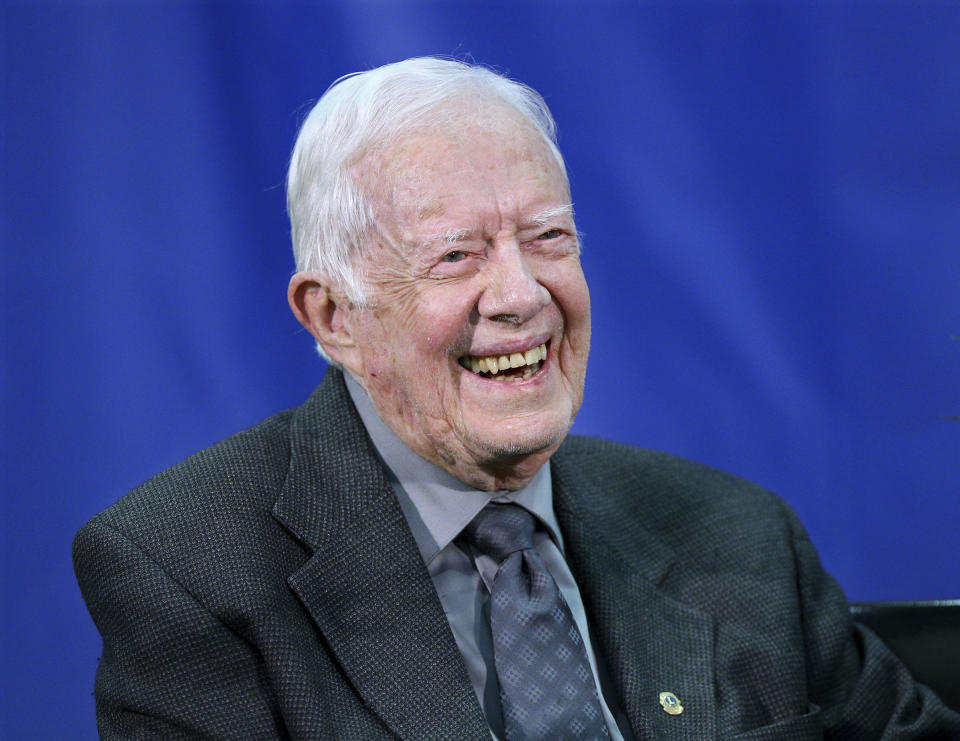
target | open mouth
[{"x": 513, "y": 367}]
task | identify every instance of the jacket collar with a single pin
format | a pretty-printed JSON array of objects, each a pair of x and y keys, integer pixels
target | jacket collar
[
  {"x": 369, "y": 592},
  {"x": 365, "y": 585}
]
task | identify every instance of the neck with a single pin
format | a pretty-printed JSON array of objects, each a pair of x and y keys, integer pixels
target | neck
[
  {"x": 497, "y": 471},
  {"x": 499, "y": 474}
]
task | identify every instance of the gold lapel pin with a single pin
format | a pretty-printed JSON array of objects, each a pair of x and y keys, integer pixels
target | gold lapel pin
[{"x": 670, "y": 703}]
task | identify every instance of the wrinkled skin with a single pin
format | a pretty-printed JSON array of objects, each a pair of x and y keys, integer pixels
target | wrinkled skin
[{"x": 477, "y": 254}]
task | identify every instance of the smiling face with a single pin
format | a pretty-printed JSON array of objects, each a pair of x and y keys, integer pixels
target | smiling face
[{"x": 474, "y": 345}]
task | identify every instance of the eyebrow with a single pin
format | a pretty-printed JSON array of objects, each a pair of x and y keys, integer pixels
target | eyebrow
[
  {"x": 455, "y": 236},
  {"x": 452, "y": 236},
  {"x": 545, "y": 217}
]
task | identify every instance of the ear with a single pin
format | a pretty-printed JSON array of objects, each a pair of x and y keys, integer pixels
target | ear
[{"x": 324, "y": 312}]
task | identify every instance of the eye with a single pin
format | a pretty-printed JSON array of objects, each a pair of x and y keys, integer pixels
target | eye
[
  {"x": 550, "y": 234},
  {"x": 454, "y": 256}
]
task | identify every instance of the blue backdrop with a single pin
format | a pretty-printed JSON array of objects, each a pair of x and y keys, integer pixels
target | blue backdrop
[{"x": 770, "y": 197}]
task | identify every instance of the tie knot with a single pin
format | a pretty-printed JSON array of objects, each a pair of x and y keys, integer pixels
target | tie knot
[{"x": 501, "y": 529}]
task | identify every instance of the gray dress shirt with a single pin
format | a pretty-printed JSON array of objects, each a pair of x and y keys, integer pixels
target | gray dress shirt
[{"x": 437, "y": 507}]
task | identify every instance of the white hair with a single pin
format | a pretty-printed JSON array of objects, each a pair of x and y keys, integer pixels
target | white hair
[{"x": 330, "y": 216}]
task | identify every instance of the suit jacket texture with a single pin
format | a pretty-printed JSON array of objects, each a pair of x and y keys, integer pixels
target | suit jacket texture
[{"x": 269, "y": 587}]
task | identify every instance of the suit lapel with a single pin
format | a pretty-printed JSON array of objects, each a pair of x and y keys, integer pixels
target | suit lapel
[
  {"x": 365, "y": 585},
  {"x": 370, "y": 595},
  {"x": 649, "y": 642}
]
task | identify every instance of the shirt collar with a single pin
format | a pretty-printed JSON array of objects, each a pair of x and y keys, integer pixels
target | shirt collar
[{"x": 436, "y": 504}]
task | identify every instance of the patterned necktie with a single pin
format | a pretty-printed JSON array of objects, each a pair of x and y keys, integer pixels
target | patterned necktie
[{"x": 547, "y": 689}]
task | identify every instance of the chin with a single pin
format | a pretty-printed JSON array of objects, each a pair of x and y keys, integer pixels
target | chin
[{"x": 543, "y": 439}]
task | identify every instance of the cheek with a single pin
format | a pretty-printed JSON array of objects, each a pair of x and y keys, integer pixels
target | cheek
[
  {"x": 442, "y": 322},
  {"x": 438, "y": 337},
  {"x": 568, "y": 286},
  {"x": 376, "y": 342},
  {"x": 410, "y": 346},
  {"x": 578, "y": 306}
]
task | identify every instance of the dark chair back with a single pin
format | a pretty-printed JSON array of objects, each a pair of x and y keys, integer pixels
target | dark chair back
[{"x": 925, "y": 636}]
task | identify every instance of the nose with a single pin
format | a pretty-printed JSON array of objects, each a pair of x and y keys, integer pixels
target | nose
[{"x": 512, "y": 293}]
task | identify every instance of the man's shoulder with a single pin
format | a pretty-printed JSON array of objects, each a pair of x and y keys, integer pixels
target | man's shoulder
[
  {"x": 660, "y": 487},
  {"x": 236, "y": 478},
  {"x": 607, "y": 461}
]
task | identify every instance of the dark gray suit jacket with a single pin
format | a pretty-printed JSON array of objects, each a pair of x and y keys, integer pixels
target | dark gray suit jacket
[{"x": 269, "y": 587}]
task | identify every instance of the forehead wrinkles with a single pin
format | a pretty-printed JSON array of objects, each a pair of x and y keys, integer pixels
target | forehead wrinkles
[
  {"x": 487, "y": 178},
  {"x": 411, "y": 179},
  {"x": 400, "y": 180}
]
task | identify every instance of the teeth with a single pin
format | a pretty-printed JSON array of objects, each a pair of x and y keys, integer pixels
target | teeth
[{"x": 529, "y": 360}]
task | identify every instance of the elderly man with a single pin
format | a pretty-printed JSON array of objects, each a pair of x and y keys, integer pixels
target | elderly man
[{"x": 419, "y": 550}]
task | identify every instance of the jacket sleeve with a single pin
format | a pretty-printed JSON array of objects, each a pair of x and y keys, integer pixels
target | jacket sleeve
[
  {"x": 170, "y": 669},
  {"x": 865, "y": 693}
]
